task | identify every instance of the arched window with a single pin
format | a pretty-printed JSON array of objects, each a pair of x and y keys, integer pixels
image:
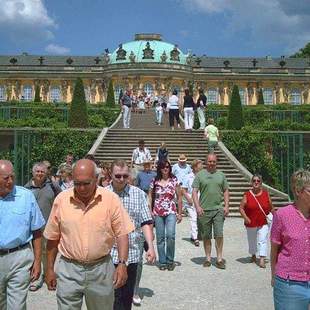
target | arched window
[
  {"x": 2, "y": 93},
  {"x": 118, "y": 89},
  {"x": 212, "y": 96},
  {"x": 87, "y": 93},
  {"x": 242, "y": 95},
  {"x": 295, "y": 97},
  {"x": 55, "y": 94},
  {"x": 148, "y": 89},
  {"x": 268, "y": 95},
  {"x": 177, "y": 88},
  {"x": 27, "y": 93}
]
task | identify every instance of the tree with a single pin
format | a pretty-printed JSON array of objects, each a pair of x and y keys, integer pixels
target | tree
[
  {"x": 303, "y": 52},
  {"x": 37, "y": 97},
  {"x": 260, "y": 100},
  {"x": 235, "y": 111},
  {"x": 78, "y": 116},
  {"x": 110, "y": 96}
]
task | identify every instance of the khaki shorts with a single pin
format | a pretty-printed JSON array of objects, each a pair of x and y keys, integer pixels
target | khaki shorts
[{"x": 211, "y": 219}]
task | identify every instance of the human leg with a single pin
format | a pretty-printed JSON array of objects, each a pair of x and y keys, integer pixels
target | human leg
[
  {"x": 262, "y": 244},
  {"x": 252, "y": 239},
  {"x": 218, "y": 223},
  {"x": 99, "y": 285},
  {"x": 124, "y": 294},
  {"x": 186, "y": 118},
  {"x": 125, "y": 115},
  {"x": 160, "y": 117},
  {"x": 201, "y": 117},
  {"x": 211, "y": 146},
  {"x": 170, "y": 237},
  {"x": 160, "y": 239},
  {"x": 128, "y": 118},
  {"x": 191, "y": 119},
  {"x": 177, "y": 116},
  {"x": 18, "y": 278},
  {"x": 193, "y": 221},
  {"x": 291, "y": 295},
  {"x": 70, "y": 285},
  {"x": 171, "y": 118},
  {"x": 139, "y": 270}
]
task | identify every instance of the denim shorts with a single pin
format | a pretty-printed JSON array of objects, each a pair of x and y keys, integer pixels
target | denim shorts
[{"x": 291, "y": 295}]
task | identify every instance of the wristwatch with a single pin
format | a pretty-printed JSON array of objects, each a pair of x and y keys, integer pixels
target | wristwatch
[{"x": 123, "y": 262}]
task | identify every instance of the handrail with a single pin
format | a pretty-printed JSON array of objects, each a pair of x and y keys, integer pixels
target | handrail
[
  {"x": 247, "y": 174},
  {"x": 102, "y": 134}
]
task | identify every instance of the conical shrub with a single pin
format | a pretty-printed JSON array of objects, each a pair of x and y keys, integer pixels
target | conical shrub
[{"x": 235, "y": 111}]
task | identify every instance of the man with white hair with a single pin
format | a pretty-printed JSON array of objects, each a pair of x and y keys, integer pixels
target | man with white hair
[
  {"x": 45, "y": 192},
  {"x": 21, "y": 222}
]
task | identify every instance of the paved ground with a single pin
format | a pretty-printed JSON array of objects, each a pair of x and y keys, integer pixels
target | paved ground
[{"x": 242, "y": 286}]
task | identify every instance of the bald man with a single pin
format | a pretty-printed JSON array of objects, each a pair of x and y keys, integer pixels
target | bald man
[
  {"x": 20, "y": 224},
  {"x": 83, "y": 225}
]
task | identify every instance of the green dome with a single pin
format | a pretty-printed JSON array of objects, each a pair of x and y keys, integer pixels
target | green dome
[{"x": 146, "y": 51}]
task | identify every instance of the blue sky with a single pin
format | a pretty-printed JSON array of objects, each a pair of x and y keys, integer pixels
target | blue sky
[{"x": 211, "y": 27}]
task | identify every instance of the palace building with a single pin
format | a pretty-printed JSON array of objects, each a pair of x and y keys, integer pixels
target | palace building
[{"x": 150, "y": 65}]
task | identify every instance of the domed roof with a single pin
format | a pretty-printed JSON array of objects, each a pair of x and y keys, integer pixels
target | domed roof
[{"x": 147, "y": 48}]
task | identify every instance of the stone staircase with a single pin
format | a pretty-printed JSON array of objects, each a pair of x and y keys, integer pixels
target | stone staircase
[{"x": 119, "y": 143}]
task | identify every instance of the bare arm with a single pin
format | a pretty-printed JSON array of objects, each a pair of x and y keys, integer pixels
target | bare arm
[
  {"x": 273, "y": 259},
  {"x": 120, "y": 273},
  {"x": 37, "y": 249},
  {"x": 149, "y": 237},
  {"x": 180, "y": 205},
  {"x": 271, "y": 205},
  {"x": 51, "y": 253},
  {"x": 196, "y": 202},
  {"x": 226, "y": 202},
  {"x": 242, "y": 211}
]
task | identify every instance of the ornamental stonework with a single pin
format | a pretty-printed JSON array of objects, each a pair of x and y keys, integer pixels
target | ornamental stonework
[
  {"x": 121, "y": 53},
  {"x": 175, "y": 54},
  {"x": 148, "y": 53}
]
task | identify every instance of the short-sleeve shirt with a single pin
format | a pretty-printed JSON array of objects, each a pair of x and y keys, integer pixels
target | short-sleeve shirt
[
  {"x": 140, "y": 156},
  {"x": 135, "y": 202},
  {"x": 87, "y": 233},
  {"x": 20, "y": 215},
  {"x": 144, "y": 179},
  {"x": 253, "y": 211},
  {"x": 180, "y": 172},
  {"x": 164, "y": 203},
  {"x": 291, "y": 231},
  {"x": 211, "y": 187},
  {"x": 212, "y": 132}
]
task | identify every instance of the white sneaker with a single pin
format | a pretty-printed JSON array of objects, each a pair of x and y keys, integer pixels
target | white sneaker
[{"x": 136, "y": 300}]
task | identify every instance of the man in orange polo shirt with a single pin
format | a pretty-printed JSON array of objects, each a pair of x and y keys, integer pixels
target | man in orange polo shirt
[{"x": 83, "y": 225}]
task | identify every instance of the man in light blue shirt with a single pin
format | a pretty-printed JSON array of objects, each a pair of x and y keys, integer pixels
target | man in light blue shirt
[
  {"x": 181, "y": 169},
  {"x": 20, "y": 223}
]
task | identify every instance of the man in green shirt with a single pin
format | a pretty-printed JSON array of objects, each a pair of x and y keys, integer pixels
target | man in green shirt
[{"x": 212, "y": 207}]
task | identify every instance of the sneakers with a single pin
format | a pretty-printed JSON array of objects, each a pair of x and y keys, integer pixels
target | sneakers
[{"x": 136, "y": 300}]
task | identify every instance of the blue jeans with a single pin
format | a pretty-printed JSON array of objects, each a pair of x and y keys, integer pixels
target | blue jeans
[
  {"x": 165, "y": 236},
  {"x": 291, "y": 295}
]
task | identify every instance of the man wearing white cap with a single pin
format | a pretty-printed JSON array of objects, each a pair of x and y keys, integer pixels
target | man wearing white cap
[{"x": 181, "y": 169}]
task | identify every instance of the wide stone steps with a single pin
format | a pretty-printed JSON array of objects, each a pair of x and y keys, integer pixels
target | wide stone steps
[{"x": 119, "y": 143}]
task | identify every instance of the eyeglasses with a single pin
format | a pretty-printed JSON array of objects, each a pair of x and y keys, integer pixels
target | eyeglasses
[
  {"x": 119, "y": 176},
  {"x": 256, "y": 181},
  {"x": 85, "y": 183}
]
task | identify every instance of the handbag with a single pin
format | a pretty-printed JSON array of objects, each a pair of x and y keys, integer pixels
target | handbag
[{"x": 269, "y": 216}]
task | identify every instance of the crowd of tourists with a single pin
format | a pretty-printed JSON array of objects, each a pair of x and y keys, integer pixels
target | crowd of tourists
[{"x": 84, "y": 228}]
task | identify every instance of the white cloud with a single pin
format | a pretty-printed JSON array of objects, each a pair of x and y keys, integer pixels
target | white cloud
[
  {"x": 57, "y": 49},
  {"x": 26, "y": 20},
  {"x": 270, "y": 23}
]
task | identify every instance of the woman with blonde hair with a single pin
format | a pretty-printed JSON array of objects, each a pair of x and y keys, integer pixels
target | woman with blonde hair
[{"x": 290, "y": 248}]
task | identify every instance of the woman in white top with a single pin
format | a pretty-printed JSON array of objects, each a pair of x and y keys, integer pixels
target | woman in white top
[{"x": 173, "y": 107}]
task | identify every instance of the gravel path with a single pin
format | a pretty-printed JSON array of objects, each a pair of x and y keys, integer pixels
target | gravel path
[{"x": 242, "y": 286}]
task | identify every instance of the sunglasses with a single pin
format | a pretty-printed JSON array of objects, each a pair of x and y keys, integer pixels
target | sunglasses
[
  {"x": 256, "y": 181},
  {"x": 119, "y": 176},
  {"x": 166, "y": 167}
]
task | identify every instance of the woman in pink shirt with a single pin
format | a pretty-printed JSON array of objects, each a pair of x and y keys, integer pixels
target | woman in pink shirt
[{"x": 290, "y": 248}]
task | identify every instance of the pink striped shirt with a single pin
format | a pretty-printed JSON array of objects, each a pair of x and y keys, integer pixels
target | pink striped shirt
[{"x": 292, "y": 232}]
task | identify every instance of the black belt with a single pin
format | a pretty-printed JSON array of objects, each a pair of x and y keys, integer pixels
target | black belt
[{"x": 7, "y": 251}]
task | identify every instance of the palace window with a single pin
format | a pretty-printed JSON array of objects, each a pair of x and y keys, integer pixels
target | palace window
[
  {"x": 242, "y": 95},
  {"x": 87, "y": 93},
  {"x": 268, "y": 95},
  {"x": 212, "y": 96},
  {"x": 148, "y": 89},
  {"x": 2, "y": 93},
  {"x": 117, "y": 91},
  {"x": 55, "y": 94},
  {"x": 27, "y": 93},
  {"x": 295, "y": 97},
  {"x": 177, "y": 88}
]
